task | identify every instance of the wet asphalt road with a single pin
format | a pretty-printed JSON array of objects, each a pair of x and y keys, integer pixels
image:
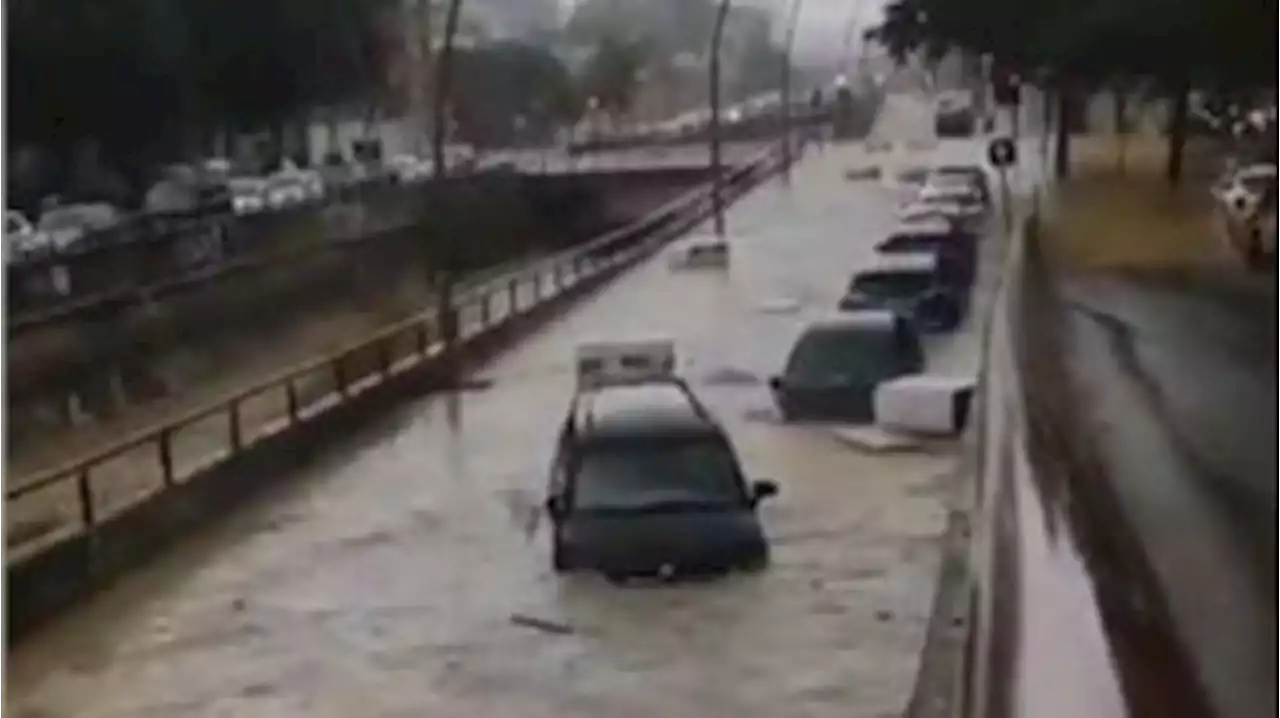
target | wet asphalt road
[
  {"x": 385, "y": 583},
  {"x": 1176, "y": 381}
]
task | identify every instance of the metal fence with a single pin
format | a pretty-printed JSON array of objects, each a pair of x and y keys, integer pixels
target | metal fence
[{"x": 85, "y": 493}]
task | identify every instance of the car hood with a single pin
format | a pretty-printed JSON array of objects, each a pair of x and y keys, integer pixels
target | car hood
[{"x": 643, "y": 542}]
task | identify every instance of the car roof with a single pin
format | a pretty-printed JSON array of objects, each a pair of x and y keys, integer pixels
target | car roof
[
  {"x": 647, "y": 410},
  {"x": 858, "y": 320},
  {"x": 923, "y": 262},
  {"x": 928, "y": 225}
]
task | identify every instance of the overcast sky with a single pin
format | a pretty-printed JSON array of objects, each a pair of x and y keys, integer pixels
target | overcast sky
[{"x": 822, "y": 24}]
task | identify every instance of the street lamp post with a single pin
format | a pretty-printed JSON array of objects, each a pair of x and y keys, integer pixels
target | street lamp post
[
  {"x": 785, "y": 89},
  {"x": 443, "y": 86},
  {"x": 717, "y": 201}
]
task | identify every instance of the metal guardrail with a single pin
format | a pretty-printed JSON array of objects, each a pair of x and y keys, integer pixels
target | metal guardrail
[{"x": 312, "y": 388}]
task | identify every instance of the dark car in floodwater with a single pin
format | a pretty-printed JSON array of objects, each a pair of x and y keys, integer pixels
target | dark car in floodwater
[
  {"x": 955, "y": 248},
  {"x": 646, "y": 483},
  {"x": 835, "y": 365},
  {"x": 912, "y": 286}
]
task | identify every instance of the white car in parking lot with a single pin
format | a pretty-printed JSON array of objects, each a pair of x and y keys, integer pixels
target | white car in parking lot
[
  {"x": 248, "y": 195},
  {"x": 409, "y": 168}
]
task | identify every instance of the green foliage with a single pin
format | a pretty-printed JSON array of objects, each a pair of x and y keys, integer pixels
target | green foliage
[
  {"x": 612, "y": 74},
  {"x": 1094, "y": 42},
  {"x": 507, "y": 81},
  {"x": 130, "y": 73}
]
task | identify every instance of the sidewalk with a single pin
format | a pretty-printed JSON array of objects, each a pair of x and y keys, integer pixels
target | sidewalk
[{"x": 1157, "y": 351}]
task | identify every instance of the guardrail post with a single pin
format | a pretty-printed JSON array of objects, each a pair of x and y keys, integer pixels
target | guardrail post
[
  {"x": 384, "y": 355},
  {"x": 421, "y": 338},
  {"x": 85, "y": 491},
  {"x": 485, "y": 299},
  {"x": 233, "y": 427},
  {"x": 291, "y": 401},
  {"x": 339, "y": 375},
  {"x": 165, "y": 441},
  {"x": 513, "y": 289}
]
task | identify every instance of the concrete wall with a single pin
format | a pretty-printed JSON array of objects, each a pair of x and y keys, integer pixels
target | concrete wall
[{"x": 92, "y": 366}]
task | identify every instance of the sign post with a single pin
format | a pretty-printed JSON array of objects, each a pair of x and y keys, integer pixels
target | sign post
[{"x": 1002, "y": 152}]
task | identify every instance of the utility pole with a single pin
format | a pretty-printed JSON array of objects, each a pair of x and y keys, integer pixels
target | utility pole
[
  {"x": 785, "y": 89},
  {"x": 717, "y": 201}
]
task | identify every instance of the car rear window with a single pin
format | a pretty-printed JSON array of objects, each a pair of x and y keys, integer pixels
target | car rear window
[
  {"x": 866, "y": 355},
  {"x": 642, "y": 473},
  {"x": 892, "y": 284}
]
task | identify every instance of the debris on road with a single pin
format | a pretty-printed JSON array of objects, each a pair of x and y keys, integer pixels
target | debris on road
[
  {"x": 542, "y": 624},
  {"x": 875, "y": 439}
]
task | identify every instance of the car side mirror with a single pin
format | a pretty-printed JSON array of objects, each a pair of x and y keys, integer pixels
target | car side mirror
[
  {"x": 775, "y": 383},
  {"x": 763, "y": 489}
]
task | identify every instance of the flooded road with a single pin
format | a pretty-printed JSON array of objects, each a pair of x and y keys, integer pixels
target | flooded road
[{"x": 405, "y": 576}]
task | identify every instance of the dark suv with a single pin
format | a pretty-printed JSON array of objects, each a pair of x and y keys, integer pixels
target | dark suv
[
  {"x": 910, "y": 285},
  {"x": 646, "y": 483},
  {"x": 836, "y": 364}
]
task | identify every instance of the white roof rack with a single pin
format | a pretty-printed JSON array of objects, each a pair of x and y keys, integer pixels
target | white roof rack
[{"x": 600, "y": 364}]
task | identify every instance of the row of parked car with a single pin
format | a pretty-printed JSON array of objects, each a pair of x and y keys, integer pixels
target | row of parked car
[
  {"x": 919, "y": 283},
  {"x": 645, "y": 481},
  {"x": 204, "y": 192}
]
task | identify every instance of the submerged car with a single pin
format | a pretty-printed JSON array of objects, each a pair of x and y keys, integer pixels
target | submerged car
[
  {"x": 709, "y": 253},
  {"x": 955, "y": 248},
  {"x": 645, "y": 482},
  {"x": 834, "y": 367},
  {"x": 910, "y": 285}
]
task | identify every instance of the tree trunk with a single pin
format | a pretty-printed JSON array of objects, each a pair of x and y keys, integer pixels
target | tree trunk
[
  {"x": 1122, "y": 128},
  {"x": 1062, "y": 149},
  {"x": 1177, "y": 133}
]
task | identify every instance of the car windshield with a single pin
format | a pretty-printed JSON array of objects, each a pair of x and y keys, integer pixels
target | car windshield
[
  {"x": 892, "y": 284},
  {"x": 640, "y": 475},
  {"x": 863, "y": 355}
]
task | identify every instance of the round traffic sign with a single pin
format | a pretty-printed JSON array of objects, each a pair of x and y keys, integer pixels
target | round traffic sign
[{"x": 1002, "y": 152}]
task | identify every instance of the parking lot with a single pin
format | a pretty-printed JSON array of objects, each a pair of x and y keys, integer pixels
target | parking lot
[{"x": 408, "y": 576}]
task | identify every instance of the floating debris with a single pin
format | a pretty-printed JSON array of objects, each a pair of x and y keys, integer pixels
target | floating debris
[{"x": 541, "y": 624}]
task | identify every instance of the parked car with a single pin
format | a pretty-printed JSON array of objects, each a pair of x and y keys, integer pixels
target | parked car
[
  {"x": 954, "y": 117},
  {"x": 409, "y": 168},
  {"x": 973, "y": 175},
  {"x": 286, "y": 189},
  {"x": 645, "y": 481},
  {"x": 248, "y": 195},
  {"x": 20, "y": 237},
  {"x": 67, "y": 225},
  {"x": 701, "y": 253},
  {"x": 832, "y": 370},
  {"x": 955, "y": 248},
  {"x": 910, "y": 285}
]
